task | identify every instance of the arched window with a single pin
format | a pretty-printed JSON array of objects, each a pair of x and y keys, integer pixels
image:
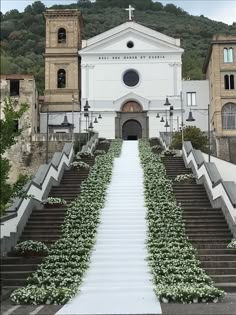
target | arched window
[
  {"x": 229, "y": 82},
  {"x": 229, "y": 116},
  {"x": 61, "y": 78},
  {"x": 61, "y": 35},
  {"x": 228, "y": 55}
]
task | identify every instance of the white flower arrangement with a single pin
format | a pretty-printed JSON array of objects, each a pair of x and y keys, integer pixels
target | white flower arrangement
[
  {"x": 80, "y": 164},
  {"x": 176, "y": 269},
  {"x": 169, "y": 152},
  {"x": 80, "y": 155},
  {"x": 34, "y": 246},
  {"x": 55, "y": 200},
  {"x": 57, "y": 279},
  {"x": 232, "y": 244},
  {"x": 183, "y": 177}
]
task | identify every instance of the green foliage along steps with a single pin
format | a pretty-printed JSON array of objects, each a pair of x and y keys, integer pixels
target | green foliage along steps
[
  {"x": 176, "y": 270},
  {"x": 59, "y": 276}
]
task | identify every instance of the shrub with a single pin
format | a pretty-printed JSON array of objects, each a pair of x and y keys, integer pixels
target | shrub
[{"x": 195, "y": 135}]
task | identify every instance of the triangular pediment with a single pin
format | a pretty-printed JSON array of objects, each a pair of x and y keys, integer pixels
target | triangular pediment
[{"x": 143, "y": 39}]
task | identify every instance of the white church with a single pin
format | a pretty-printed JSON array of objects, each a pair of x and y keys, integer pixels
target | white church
[{"x": 131, "y": 76}]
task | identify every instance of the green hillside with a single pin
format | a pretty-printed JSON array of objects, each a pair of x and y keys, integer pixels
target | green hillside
[{"x": 23, "y": 34}]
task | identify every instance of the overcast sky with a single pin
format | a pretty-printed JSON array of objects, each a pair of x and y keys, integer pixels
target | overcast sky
[{"x": 218, "y": 10}]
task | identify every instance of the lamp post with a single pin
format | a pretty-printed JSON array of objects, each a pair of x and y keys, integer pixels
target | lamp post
[
  {"x": 47, "y": 138},
  {"x": 191, "y": 119}
]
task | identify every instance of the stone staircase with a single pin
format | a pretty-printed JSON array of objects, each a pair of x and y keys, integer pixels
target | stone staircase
[
  {"x": 206, "y": 227},
  {"x": 43, "y": 225}
]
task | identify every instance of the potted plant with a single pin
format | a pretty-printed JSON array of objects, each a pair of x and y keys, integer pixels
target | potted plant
[
  {"x": 232, "y": 244},
  {"x": 169, "y": 152},
  {"x": 80, "y": 165},
  {"x": 31, "y": 248},
  {"x": 55, "y": 202},
  {"x": 184, "y": 178}
]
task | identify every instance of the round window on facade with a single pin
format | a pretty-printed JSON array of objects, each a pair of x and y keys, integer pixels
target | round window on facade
[
  {"x": 131, "y": 78},
  {"x": 130, "y": 44}
]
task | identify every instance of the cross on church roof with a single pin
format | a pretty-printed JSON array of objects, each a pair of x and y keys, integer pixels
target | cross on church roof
[{"x": 130, "y": 9}]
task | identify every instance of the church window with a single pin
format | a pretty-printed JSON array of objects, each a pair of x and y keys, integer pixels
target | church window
[
  {"x": 229, "y": 116},
  {"x": 61, "y": 35},
  {"x": 228, "y": 54},
  {"x": 191, "y": 99},
  {"x": 130, "y": 44},
  {"x": 229, "y": 82},
  {"x": 61, "y": 78},
  {"x": 131, "y": 78},
  {"x": 14, "y": 87}
]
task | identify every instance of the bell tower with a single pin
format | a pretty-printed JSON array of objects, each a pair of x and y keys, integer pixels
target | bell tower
[{"x": 62, "y": 62}]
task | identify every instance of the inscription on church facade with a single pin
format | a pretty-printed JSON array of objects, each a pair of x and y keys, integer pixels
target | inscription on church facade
[{"x": 130, "y": 57}]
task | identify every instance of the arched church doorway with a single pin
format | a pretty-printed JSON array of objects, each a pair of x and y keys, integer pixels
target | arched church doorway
[{"x": 131, "y": 130}]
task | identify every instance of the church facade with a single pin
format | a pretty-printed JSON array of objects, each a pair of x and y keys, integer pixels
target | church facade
[{"x": 125, "y": 75}]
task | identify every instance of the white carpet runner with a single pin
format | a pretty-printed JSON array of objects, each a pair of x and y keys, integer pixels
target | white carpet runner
[{"x": 118, "y": 280}]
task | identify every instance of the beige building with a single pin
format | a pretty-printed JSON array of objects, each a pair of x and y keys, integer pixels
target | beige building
[
  {"x": 220, "y": 69},
  {"x": 22, "y": 89},
  {"x": 62, "y": 62}
]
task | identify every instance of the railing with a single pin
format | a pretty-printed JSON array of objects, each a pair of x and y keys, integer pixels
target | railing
[
  {"x": 59, "y": 137},
  {"x": 91, "y": 144},
  {"x": 165, "y": 139},
  {"x": 221, "y": 193},
  {"x": 13, "y": 222}
]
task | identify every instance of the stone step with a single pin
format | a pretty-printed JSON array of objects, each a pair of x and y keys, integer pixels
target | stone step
[
  {"x": 18, "y": 267},
  {"x": 42, "y": 238},
  {"x": 225, "y": 257},
  {"x": 217, "y": 251},
  {"x": 210, "y": 245},
  {"x": 208, "y": 240},
  {"x": 37, "y": 234},
  {"x": 18, "y": 260},
  {"x": 213, "y": 235},
  {"x": 38, "y": 223},
  {"x": 224, "y": 278},
  {"x": 206, "y": 230},
  {"x": 14, "y": 282},
  {"x": 209, "y": 225},
  {"x": 218, "y": 264},
  {"x": 226, "y": 286},
  {"x": 196, "y": 221},
  {"x": 23, "y": 274},
  {"x": 220, "y": 271}
]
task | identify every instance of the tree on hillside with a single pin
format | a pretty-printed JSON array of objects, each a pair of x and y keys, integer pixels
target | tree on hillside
[
  {"x": 191, "y": 133},
  {"x": 8, "y": 137}
]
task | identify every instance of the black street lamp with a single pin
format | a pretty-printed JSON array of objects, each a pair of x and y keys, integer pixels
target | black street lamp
[
  {"x": 191, "y": 119},
  {"x": 167, "y": 103}
]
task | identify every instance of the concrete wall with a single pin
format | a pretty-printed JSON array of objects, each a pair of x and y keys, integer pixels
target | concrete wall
[{"x": 227, "y": 170}]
